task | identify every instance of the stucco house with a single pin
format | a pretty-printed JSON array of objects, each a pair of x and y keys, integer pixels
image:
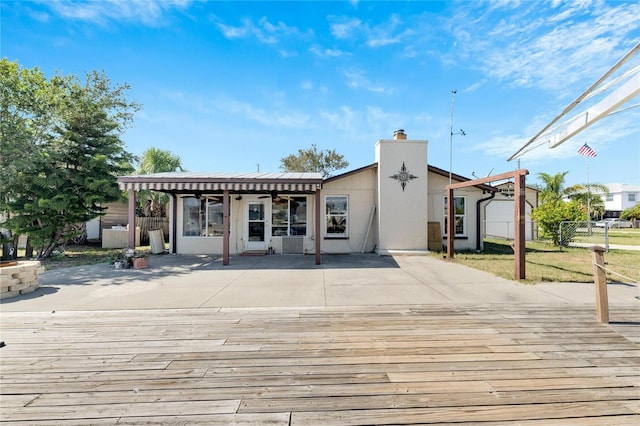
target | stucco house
[
  {"x": 621, "y": 196},
  {"x": 395, "y": 205}
]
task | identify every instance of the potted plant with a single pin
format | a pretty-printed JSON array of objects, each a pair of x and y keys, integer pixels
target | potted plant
[
  {"x": 128, "y": 258},
  {"x": 140, "y": 260},
  {"x": 118, "y": 261}
]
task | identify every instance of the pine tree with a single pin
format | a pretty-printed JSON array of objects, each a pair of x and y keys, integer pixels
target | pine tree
[{"x": 61, "y": 152}]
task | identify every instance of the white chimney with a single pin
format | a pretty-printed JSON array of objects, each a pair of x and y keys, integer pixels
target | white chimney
[{"x": 399, "y": 134}]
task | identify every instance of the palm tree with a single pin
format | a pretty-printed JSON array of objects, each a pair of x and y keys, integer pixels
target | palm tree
[
  {"x": 554, "y": 189},
  {"x": 590, "y": 197},
  {"x": 154, "y": 160}
]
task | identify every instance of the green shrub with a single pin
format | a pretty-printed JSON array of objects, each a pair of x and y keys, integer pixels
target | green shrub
[
  {"x": 632, "y": 213},
  {"x": 551, "y": 214}
]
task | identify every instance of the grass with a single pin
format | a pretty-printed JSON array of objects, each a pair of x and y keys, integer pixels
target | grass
[
  {"x": 629, "y": 237},
  {"x": 547, "y": 263},
  {"x": 78, "y": 255}
]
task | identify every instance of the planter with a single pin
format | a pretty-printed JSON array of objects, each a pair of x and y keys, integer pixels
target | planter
[
  {"x": 19, "y": 277},
  {"x": 140, "y": 263}
]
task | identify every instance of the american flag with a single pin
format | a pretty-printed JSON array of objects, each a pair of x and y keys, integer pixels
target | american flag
[{"x": 587, "y": 151}]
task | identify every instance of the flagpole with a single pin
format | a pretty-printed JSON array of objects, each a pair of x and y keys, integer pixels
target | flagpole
[{"x": 588, "y": 192}]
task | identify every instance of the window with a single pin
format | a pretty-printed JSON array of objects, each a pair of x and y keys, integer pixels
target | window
[
  {"x": 609, "y": 197},
  {"x": 459, "y": 214},
  {"x": 632, "y": 197},
  {"x": 337, "y": 211},
  {"x": 202, "y": 217},
  {"x": 289, "y": 216}
]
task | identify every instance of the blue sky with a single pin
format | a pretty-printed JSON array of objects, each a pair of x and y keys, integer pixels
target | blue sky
[{"x": 229, "y": 86}]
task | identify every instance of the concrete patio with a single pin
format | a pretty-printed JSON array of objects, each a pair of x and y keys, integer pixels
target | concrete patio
[{"x": 182, "y": 281}]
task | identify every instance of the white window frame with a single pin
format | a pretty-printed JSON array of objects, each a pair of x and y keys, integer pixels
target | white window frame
[
  {"x": 463, "y": 216},
  {"x": 289, "y": 217},
  {"x": 328, "y": 214},
  {"x": 631, "y": 197},
  {"x": 202, "y": 214}
]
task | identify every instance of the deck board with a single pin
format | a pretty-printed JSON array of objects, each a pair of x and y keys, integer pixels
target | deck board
[{"x": 404, "y": 365}]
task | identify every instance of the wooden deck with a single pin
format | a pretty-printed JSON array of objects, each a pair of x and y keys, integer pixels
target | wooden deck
[{"x": 420, "y": 365}]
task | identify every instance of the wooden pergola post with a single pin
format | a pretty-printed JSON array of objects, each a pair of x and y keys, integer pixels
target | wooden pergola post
[
  {"x": 600, "y": 281},
  {"x": 317, "y": 226},
  {"x": 519, "y": 231},
  {"x": 451, "y": 225},
  {"x": 225, "y": 226},
  {"x": 131, "y": 217},
  {"x": 519, "y": 208}
]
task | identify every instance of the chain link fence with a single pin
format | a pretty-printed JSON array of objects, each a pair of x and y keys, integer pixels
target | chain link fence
[
  {"x": 505, "y": 229},
  {"x": 583, "y": 234}
]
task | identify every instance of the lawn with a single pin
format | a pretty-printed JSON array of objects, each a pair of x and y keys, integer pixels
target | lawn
[
  {"x": 547, "y": 263},
  {"x": 629, "y": 237},
  {"x": 77, "y": 255}
]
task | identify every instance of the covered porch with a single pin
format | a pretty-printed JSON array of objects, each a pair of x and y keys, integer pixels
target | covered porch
[{"x": 257, "y": 196}]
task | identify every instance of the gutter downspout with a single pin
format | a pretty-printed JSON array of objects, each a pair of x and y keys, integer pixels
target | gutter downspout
[{"x": 478, "y": 229}]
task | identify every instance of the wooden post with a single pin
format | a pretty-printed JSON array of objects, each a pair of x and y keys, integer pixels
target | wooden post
[
  {"x": 225, "y": 227},
  {"x": 317, "y": 226},
  {"x": 519, "y": 201},
  {"x": 600, "y": 281},
  {"x": 451, "y": 222},
  {"x": 519, "y": 222},
  {"x": 131, "y": 217}
]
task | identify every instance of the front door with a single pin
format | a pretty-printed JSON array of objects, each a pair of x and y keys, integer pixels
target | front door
[{"x": 256, "y": 229}]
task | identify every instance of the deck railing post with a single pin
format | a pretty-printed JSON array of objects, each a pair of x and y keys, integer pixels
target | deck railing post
[{"x": 600, "y": 281}]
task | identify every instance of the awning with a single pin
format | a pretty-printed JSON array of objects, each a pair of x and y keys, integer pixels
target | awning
[{"x": 207, "y": 182}]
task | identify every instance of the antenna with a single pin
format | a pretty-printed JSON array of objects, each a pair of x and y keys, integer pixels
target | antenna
[{"x": 461, "y": 132}]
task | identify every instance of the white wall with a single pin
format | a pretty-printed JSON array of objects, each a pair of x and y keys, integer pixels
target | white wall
[
  {"x": 620, "y": 193},
  {"x": 499, "y": 220},
  {"x": 402, "y": 213},
  {"x": 93, "y": 228},
  {"x": 360, "y": 187}
]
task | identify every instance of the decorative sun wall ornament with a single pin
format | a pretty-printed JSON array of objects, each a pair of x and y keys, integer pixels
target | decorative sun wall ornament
[{"x": 403, "y": 176}]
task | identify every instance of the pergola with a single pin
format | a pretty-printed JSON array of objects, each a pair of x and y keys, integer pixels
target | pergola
[
  {"x": 519, "y": 219},
  {"x": 225, "y": 185}
]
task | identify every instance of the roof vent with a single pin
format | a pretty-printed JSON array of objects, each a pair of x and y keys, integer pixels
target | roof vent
[{"x": 399, "y": 134}]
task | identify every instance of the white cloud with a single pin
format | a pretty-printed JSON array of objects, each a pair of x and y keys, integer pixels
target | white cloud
[
  {"x": 272, "y": 117},
  {"x": 609, "y": 131},
  {"x": 341, "y": 120},
  {"x": 390, "y": 32},
  {"x": 264, "y": 31},
  {"x": 383, "y": 34},
  {"x": 148, "y": 12},
  {"x": 233, "y": 32},
  {"x": 346, "y": 27},
  {"x": 475, "y": 86},
  {"x": 553, "y": 48},
  {"x": 358, "y": 80},
  {"x": 326, "y": 53}
]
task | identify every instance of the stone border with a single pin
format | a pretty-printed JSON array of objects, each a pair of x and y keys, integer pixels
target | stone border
[{"x": 20, "y": 279}]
